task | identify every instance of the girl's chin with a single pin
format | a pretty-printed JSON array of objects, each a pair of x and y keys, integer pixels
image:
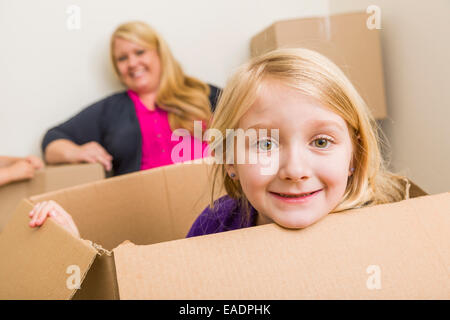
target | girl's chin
[
  {"x": 294, "y": 226},
  {"x": 297, "y": 220}
]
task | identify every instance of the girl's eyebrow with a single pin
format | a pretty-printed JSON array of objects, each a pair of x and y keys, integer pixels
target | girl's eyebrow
[
  {"x": 262, "y": 126},
  {"x": 314, "y": 124},
  {"x": 320, "y": 124}
]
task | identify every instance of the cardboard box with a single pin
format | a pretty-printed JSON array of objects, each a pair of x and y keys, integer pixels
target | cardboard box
[
  {"x": 408, "y": 241},
  {"x": 343, "y": 38},
  {"x": 48, "y": 179}
]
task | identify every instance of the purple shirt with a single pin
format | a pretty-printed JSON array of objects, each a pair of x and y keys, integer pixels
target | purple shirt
[{"x": 227, "y": 214}]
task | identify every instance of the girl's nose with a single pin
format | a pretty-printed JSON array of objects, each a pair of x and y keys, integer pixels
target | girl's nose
[{"x": 294, "y": 166}]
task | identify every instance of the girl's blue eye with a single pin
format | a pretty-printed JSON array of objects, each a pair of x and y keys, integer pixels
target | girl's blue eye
[
  {"x": 122, "y": 58},
  {"x": 140, "y": 52},
  {"x": 321, "y": 143}
]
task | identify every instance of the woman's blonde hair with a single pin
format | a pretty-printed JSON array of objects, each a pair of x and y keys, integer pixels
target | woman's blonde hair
[
  {"x": 185, "y": 98},
  {"x": 316, "y": 76}
]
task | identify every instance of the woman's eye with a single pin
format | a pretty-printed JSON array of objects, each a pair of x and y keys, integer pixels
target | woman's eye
[
  {"x": 140, "y": 52},
  {"x": 122, "y": 58},
  {"x": 321, "y": 143}
]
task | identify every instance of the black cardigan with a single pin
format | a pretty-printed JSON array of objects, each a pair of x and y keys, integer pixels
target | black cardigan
[{"x": 111, "y": 122}]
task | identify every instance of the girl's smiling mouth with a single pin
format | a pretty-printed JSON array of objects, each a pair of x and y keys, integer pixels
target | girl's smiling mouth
[{"x": 295, "y": 197}]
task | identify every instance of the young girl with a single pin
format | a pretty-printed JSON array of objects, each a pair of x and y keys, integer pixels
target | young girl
[{"x": 326, "y": 148}]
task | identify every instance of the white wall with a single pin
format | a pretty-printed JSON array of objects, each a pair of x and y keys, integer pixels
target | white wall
[
  {"x": 48, "y": 72},
  {"x": 415, "y": 36}
]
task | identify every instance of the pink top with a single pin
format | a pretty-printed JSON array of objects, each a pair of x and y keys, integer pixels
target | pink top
[{"x": 157, "y": 147}]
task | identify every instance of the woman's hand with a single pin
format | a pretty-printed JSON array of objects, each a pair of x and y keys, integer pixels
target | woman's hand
[
  {"x": 54, "y": 211},
  {"x": 65, "y": 151},
  {"x": 92, "y": 152}
]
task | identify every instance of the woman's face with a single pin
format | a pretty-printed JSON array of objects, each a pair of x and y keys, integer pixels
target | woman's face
[
  {"x": 313, "y": 152},
  {"x": 139, "y": 67}
]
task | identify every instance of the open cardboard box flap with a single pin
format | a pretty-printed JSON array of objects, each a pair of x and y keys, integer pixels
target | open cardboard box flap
[
  {"x": 34, "y": 265},
  {"x": 145, "y": 207},
  {"x": 407, "y": 240}
]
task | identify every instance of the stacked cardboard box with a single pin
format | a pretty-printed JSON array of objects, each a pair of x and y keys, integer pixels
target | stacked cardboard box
[
  {"x": 48, "y": 179},
  {"x": 343, "y": 38}
]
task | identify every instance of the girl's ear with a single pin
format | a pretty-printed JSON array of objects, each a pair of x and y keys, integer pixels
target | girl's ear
[
  {"x": 351, "y": 168},
  {"x": 350, "y": 172},
  {"x": 231, "y": 170}
]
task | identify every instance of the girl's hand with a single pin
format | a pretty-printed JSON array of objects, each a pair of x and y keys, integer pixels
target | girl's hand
[
  {"x": 54, "y": 211},
  {"x": 35, "y": 162}
]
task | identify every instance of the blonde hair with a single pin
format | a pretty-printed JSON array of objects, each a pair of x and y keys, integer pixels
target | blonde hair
[
  {"x": 316, "y": 76},
  {"x": 185, "y": 98}
]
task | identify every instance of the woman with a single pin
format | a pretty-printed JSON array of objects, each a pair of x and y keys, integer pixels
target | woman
[{"x": 131, "y": 131}]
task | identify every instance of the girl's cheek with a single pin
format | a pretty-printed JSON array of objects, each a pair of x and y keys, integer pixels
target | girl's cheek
[
  {"x": 332, "y": 173},
  {"x": 250, "y": 176}
]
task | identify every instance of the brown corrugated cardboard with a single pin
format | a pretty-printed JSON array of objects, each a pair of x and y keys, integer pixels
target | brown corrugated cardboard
[
  {"x": 408, "y": 241},
  {"x": 40, "y": 258},
  {"x": 48, "y": 179},
  {"x": 345, "y": 39},
  {"x": 327, "y": 260}
]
